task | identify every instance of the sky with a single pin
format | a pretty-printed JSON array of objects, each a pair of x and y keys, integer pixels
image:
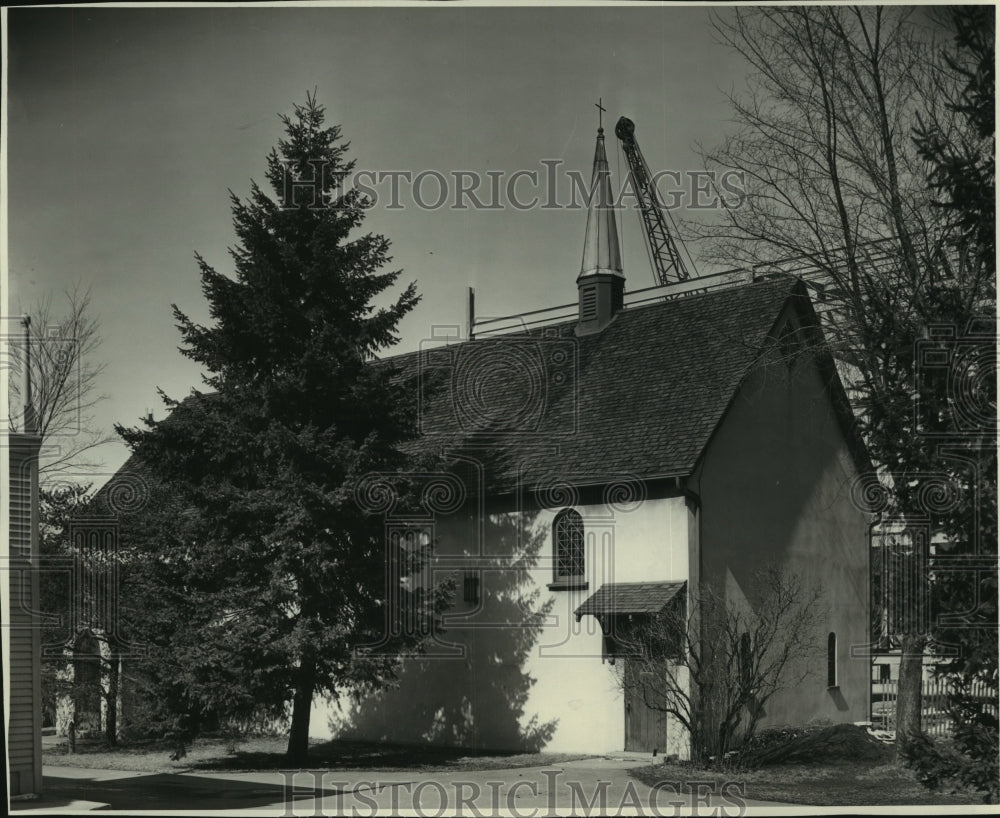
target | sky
[{"x": 127, "y": 127}]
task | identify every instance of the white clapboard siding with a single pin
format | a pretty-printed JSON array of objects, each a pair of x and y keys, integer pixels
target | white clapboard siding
[{"x": 24, "y": 706}]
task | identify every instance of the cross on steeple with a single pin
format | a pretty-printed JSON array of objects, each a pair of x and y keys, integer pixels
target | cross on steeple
[{"x": 600, "y": 113}]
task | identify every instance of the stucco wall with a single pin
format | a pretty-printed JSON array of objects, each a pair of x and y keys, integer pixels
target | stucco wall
[
  {"x": 775, "y": 487},
  {"x": 523, "y": 673},
  {"x": 518, "y": 672}
]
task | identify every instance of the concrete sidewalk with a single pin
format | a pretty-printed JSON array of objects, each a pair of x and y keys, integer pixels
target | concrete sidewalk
[{"x": 593, "y": 786}]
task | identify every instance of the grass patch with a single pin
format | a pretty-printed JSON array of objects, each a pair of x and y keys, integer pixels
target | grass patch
[
  {"x": 268, "y": 753},
  {"x": 834, "y": 783}
]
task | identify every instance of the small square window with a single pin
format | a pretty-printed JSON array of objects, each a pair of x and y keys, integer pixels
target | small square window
[{"x": 470, "y": 587}]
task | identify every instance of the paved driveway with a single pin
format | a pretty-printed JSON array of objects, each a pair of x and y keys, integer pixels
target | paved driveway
[{"x": 594, "y": 786}]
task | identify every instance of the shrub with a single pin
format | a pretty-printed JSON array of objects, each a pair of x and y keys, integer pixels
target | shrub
[
  {"x": 773, "y": 737},
  {"x": 840, "y": 742},
  {"x": 940, "y": 766}
]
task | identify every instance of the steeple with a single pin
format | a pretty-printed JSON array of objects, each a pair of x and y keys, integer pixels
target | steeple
[
  {"x": 601, "y": 284},
  {"x": 600, "y": 246}
]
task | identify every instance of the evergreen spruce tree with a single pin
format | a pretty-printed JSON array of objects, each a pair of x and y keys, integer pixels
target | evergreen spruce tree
[
  {"x": 963, "y": 175},
  {"x": 290, "y": 573}
]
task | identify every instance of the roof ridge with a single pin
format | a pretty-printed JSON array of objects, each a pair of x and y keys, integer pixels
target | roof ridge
[
  {"x": 535, "y": 332},
  {"x": 634, "y": 403},
  {"x": 687, "y": 297}
]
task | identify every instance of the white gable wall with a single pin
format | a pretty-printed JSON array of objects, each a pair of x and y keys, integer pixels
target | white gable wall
[
  {"x": 646, "y": 544},
  {"x": 486, "y": 697}
]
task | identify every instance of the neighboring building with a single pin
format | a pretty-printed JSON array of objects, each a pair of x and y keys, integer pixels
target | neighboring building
[
  {"x": 902, "y": 549},
  {"x": 937, "y": 691},
  {"x": 23, "y": 637},
  {"x": 90, "y": 654},
  {"x": 89, "y": 676},
  {"x": 603, "y": 467}
]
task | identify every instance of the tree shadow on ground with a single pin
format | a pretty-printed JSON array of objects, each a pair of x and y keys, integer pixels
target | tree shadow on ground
[
  {"x": 339, "y": 754},
  {"x": 168, "y": 791}
]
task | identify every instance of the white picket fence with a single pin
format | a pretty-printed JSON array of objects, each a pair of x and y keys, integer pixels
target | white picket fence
[{"x": 934, "y": 717}]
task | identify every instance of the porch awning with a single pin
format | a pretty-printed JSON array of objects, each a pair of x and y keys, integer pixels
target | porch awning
[{"x": 615, "y": 598}]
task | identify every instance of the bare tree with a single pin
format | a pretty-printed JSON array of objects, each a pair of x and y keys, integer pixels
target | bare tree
[
  {"x": 834, "y": 180},
  {"x": 715, "y": 662},
  {"x": 65, "y": 375},
  {"x": 64, "y": 380}
]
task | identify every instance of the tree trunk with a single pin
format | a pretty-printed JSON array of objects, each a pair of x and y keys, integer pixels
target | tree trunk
[
  {"x": 298, "y": 736},
  {"x": 111, "y": 718},
  {"x": 908, "y": 698}
]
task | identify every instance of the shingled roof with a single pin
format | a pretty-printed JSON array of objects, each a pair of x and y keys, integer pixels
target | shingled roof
[
  {"x": 630, "y": 598},
  {"x": 641, "y": 398}
]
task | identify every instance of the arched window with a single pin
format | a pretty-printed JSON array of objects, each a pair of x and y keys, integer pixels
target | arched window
[
  {"x": 567, "y": 537},
  {"x": 831, "y": 660}
]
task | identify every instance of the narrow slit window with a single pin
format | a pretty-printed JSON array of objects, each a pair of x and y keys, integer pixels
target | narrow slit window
[
  {"x": 831, "y": 660},
  {"x": 746, "y": 661}
]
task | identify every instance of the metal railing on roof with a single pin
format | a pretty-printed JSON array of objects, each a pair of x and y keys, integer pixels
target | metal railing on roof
[
  {"x": 519, "y": 322},
  {"x": 875, "y": 253},
  {"x": 526, "y": 321},
  {"x": 692, "y": 286}
]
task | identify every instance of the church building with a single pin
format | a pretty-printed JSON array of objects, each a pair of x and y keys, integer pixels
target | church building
[
  {"x": 610, "y": 465},
  {"x": 629, "y": 455}
]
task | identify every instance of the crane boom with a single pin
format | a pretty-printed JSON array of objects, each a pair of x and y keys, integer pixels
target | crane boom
[{"x": 669, "y": 267}]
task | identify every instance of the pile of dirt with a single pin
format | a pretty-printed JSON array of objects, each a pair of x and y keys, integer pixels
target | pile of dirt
[{"x": 841, "y": 742}]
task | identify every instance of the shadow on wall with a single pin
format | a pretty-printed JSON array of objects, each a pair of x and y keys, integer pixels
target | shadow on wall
[{"x": 471, "y": 694}]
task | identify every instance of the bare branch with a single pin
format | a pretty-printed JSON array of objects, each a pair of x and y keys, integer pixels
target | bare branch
[
  {"x": 65, "y": 383},
  {"x": 715, "y": 663}
]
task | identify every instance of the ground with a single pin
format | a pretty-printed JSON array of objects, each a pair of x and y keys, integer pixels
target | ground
[
  {"x": 591, "y": 786},
  {"x": 268, "y": 753},
  {"x": 841, "y": 764},
  {"x": 839, "y": 783},
  {"x": 346, "y": 775}
]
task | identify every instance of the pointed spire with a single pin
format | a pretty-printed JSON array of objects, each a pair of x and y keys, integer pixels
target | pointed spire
[
  {"x": 601, "y": 284},
  {"x": 600, "y": 247}
]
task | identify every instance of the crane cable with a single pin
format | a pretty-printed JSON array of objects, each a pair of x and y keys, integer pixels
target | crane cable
[{"x": 693, "y": 272}]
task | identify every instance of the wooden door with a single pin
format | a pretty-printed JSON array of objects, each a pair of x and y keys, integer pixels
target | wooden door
[{"x": 645, "y": 727}]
